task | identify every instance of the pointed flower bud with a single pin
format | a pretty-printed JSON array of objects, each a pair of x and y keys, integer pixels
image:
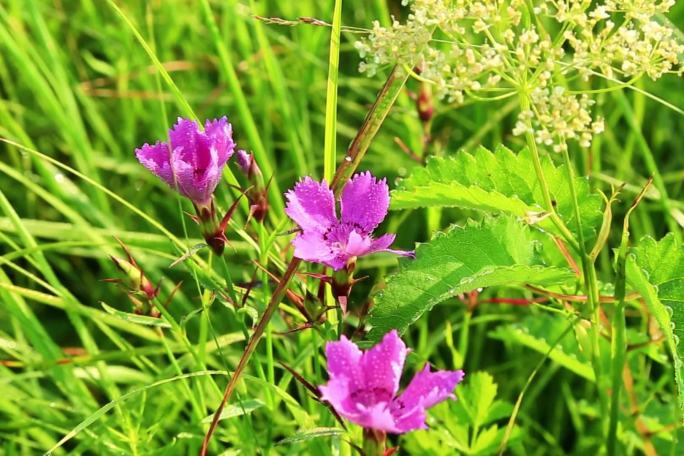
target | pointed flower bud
[
  {"x": 135, "y": 279},
  {"x": 247, "y": 164},
  {"x": 192, "y": 161},
  {"x": 257, "y": 194}
]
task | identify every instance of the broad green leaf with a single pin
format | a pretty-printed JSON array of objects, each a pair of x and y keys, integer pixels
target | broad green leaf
[
  {"x": 498, "y": 182},
  {"x": 656, "y": 270},
  {"x": 496, "y": 252}
]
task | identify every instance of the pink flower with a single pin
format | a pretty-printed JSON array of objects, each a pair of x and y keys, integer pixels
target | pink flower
[
  {"x": 331, "y": 241},
  {"x": 363, "y": 386},
  {"x": 193, "y": 161}
]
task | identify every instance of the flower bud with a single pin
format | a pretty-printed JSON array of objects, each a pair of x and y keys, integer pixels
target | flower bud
[{"x": 135, "y": 279}]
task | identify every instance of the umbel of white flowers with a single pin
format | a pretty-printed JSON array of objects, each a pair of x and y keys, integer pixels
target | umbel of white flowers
[{"x": 544, "y": 52}]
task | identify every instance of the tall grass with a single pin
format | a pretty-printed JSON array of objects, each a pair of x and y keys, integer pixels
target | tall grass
[{"x": 82, "y": 83}]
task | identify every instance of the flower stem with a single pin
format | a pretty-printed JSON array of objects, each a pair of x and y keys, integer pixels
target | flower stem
[
  {"x": 373, "y": 442},
  {"x": 590, "y": 283},
  {"x": 618, "y": 348}
]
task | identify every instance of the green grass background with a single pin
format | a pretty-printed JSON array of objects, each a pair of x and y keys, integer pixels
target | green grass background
[{"x": 79, "y": 91}]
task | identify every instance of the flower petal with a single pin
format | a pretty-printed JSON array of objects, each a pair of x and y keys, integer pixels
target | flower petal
[
  {"x": 311, "y": 205},
  {"x": 183, "y": 138},
  {"x": 185, "y": 177},
  {"x": 409, "y": 421},
  {"x": 156, "y": 159},
  {"x": 219, "y": 133},
  {"x": 337, "y": 393},
  {"x": 429, "y": 388},
  {"x": 382, "y": 365},
  {"x": 311, "y": 246},
  {"x": 344, "y": 360},
  {"x": 382, "y": 244},
  {"x": 357, "y": 244},
  {"x": 365, "y": 201},
  {"x": 376, "y": 416}
]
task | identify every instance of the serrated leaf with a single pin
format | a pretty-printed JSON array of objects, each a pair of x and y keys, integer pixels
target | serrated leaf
[
  {"x": 498, "y": 182},
  {"x": 310, "y": 434},
  {"x": 467, "y": 425},
  {"x": 476, "y": 398},
  {"x": 496, "y": 252},
  {"x": 656, "y": 270}
]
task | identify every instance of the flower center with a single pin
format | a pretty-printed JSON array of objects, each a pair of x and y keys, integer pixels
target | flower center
[{"x": 371, "y": 396}]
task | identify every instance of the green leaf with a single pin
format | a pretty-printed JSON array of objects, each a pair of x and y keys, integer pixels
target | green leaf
[
  {"x": 497, "y": 252},
  {"x": 135, "y": 318},
  {"x": 465, "y": 426},
  {"x": 656, "y": 270},
  {"x": 497, "y": 182},
  {"x": 476, "y": 398},
  {"x": 310, "y": 434},
  {"x": 238, "y": 409}
]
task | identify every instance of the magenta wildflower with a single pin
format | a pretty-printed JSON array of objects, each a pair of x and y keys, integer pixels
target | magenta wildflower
[
  {"x": 363, "y": 386},
  {"x": 334, "y": 241},
  {"x": 193, "y": 162}
]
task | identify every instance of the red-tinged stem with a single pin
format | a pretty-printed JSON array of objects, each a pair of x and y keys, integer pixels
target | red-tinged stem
[
  {"x": 251, "y": 346},
  {"x": 371, "y": 124}
]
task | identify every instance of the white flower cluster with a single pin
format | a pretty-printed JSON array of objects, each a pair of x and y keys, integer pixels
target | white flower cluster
[
  {"x": 557, "y": 116},
  {"x": 532, "y": 49},
  {"x": 639, "y": 44}
]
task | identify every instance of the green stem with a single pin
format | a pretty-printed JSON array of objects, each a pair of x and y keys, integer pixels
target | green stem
[
  {"x": 651, "y": 165},
  {"x": 546, "y": 194},
  {"x": 590, "y": 282},
  {"x": 618, "y": 346},
  {"x": 329, "y": 148},
  {"x": 618, "y": 352},
  {"x": 373, "y": 442},
  {"x": 464, "y": 336}
]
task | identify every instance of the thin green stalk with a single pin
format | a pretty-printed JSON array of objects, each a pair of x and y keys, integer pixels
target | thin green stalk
[
  {"x": 590, "y": 284},
  {"x": 329, "y": 148},
  {"x": 464, "y": 336},
  {"x": 618, "y": 346}
]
